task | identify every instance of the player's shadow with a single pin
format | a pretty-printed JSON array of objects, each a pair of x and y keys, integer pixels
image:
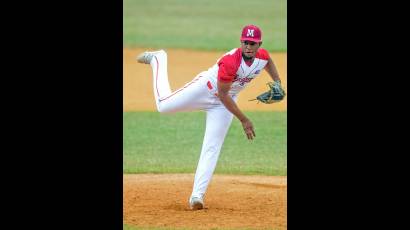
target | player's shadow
[{"x": 182, "y": 207}]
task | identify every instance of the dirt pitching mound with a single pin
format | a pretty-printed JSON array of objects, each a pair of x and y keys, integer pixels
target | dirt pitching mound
[{"x": 257, "y": 202}]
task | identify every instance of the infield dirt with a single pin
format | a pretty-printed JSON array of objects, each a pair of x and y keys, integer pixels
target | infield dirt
[{"x": 161, "y": 200}]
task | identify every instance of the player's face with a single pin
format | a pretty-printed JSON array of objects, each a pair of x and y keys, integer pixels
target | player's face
[{"x": 250, "y": 48}]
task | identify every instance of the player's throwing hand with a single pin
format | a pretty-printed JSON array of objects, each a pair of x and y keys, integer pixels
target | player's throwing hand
[{"x": 248, "y": 128}]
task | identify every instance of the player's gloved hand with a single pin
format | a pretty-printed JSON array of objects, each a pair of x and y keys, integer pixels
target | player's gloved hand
[
  {"x": 274, "y": 94},
  {"x": 248, "y": 128}
]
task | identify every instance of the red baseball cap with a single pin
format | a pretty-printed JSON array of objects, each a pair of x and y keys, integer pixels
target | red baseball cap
[{"x": 251, "y": 33}]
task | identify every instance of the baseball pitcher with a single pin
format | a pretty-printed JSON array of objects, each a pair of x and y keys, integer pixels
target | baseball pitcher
[{"x": 215, "y": 91}]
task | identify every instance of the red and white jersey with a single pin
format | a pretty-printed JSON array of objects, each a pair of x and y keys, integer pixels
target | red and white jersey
[{"x": 231, "y": 67}]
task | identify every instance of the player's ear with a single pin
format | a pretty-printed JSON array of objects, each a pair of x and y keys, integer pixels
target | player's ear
[{"x": 260, "y": 44}]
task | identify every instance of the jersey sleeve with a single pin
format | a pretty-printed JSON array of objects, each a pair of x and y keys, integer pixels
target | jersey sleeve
[
  {"x": 262, "y": 54},
  {"x": 225, "y": 73},
  {"x": 227, "y": 69}
]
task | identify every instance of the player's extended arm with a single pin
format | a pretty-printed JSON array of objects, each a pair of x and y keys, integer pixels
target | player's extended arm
[
  {"x": 223, "y": 89},
  {"x": 272, "y": 71}
]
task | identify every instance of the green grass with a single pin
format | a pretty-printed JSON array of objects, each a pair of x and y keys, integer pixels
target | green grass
[
  {"x": 202, "y": 24},
  {"x": 158, "y": 143}
]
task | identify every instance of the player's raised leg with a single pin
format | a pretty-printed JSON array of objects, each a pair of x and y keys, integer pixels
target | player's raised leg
[
  {"x": 192, "y": 96},
  {"x": 159, "y": 65}
]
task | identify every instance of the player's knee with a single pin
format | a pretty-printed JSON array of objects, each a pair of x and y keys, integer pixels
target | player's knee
[{"x": 164, "y": 109}]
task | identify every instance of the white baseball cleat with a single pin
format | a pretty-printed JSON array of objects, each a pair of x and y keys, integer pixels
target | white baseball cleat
[
  {"x": 146, "y": 57},
  {"x": 196, "y": 203}
]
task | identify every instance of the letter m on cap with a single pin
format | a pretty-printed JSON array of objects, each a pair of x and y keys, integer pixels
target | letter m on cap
[{"x": 250, "y": 32}]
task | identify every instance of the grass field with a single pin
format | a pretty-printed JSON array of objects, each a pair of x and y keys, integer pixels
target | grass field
[
  {"x": 158, "y": 143},
  {"x": 202, "y": 24}
]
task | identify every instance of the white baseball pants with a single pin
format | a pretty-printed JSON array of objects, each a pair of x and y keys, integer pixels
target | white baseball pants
[{"x": 195, "y": 95}]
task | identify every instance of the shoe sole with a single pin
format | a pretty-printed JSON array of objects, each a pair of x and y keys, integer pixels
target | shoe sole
[
  {"x": 197, "y": 206},
  {"x": 141, "y": 60}
]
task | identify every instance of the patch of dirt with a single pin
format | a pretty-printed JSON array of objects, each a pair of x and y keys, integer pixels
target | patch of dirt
[
  {"x": 161, "y": 200},
  {"x": 183, "y": 66}
]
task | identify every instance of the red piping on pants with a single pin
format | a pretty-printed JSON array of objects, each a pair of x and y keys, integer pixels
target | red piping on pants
[
  {"x": 156, "y": 77},
  {"x": 179, "y": 90}
]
